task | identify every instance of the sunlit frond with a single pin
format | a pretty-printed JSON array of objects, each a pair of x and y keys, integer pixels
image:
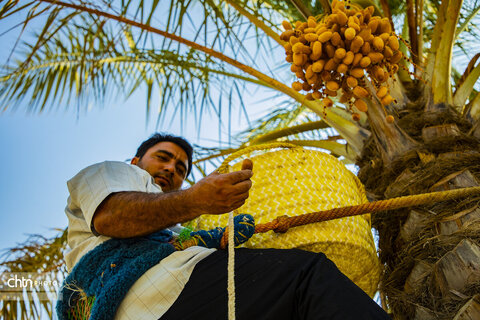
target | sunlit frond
[
  {"x": 36, "y": 256},
  {"x": 83, "y": 56}
]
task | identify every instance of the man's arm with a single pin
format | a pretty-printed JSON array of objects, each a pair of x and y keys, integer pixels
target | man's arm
[{"x": 131, "y": 214}]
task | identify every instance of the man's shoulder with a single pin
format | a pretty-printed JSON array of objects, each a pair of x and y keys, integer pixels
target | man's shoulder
[
  {"x": 107, "y": 163},
  {"x": 107, "y": 168}
]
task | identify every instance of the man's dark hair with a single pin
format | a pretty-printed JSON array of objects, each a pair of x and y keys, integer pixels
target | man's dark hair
[{"x": 165, "y": 137}]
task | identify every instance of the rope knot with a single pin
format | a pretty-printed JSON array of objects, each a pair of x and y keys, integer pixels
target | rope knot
[
  {"x": 244, "y": 230},
  {"x": 282, "y": 224}
]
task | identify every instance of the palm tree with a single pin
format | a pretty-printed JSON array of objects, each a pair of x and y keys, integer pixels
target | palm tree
[{"x": 198, "y": 51}]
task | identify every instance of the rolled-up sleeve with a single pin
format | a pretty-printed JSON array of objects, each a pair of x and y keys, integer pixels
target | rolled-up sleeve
[{"x": 93, "y": 184}]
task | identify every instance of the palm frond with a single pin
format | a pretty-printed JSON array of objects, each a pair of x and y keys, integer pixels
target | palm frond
[
  {"x": 281, "y": 117},
  {"x": 440, "y": 57},
  {"x": 467, "y": 19},
  {"x": 103, "y": 65},
  {"x": 101, "y": 39},
  {"x": 334, "y": 148},
  {"x": 472, "y": 110},
  {"x": 291, "y": 130},
  {"x": 467, "y": 82},
  {"x": 38, "y": 256},
  {"x": 258, "y": 23},
  {"x": 289, "y": 9},
  {"x": 297, "y": 126}
]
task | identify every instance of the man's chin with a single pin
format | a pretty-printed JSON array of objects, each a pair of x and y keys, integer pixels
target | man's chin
[
  {"x": 162, "y": 183},
  {"x": 166, "y": 189}
]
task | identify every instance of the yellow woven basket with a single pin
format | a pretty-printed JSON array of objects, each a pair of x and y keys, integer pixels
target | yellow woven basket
[{"x": 297, "y": 181}]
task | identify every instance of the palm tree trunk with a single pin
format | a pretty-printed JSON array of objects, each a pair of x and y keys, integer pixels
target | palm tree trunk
[{"x": 431, "y": 253}]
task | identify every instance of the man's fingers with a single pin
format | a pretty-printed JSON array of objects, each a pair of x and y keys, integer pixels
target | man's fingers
[
  {"x": 213, "y": 173},
  {"x": 239, "y": 176},
  {"x": 238, "y": 204},
  {"x": 247, "y": 164},
  {"x": 242, "y": 187}
]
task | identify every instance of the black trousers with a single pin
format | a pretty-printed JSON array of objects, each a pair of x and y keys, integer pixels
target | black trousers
[{"x": 273, "y": 284}]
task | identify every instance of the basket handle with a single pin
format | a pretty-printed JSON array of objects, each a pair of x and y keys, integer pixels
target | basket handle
[{"x": 264, "y": 146}]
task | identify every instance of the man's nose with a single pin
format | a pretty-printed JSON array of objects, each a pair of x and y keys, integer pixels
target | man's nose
[{"x": 169, "y": 167}]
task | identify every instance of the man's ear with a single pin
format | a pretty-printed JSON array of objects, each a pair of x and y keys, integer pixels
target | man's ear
[{"x": 134, "y": 160}]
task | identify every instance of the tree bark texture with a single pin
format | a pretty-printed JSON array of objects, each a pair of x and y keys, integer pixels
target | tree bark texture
[{"x": 431, "y": 254}]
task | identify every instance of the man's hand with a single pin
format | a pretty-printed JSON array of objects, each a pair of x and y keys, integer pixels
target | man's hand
[
  {"x": 220, "y": 193},
  {"x": 131, "y": 214}
]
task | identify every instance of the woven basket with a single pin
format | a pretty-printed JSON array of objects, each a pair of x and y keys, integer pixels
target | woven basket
[{"x": 297, "y": 181}]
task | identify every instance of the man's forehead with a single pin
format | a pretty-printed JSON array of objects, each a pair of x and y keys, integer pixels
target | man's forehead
[{"x": 172, "y": 149}]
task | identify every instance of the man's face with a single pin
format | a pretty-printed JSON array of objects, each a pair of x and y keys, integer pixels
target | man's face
[{"x": 167, "y": 164}]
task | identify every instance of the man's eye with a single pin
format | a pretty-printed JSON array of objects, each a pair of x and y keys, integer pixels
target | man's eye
[
  {"x": 181, "y": 171},
  {"x": 163, "y": 158}
]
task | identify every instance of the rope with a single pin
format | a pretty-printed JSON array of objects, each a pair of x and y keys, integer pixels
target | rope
[
  {"x": 231, "y": 267},
  {"x": 283, "y": 223},
  {"x": 229, "y": 233}
]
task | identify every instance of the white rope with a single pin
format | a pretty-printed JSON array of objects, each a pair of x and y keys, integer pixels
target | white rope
[
  {"x": 231, "y": 264},
  {"x": 231, "y": 268}
]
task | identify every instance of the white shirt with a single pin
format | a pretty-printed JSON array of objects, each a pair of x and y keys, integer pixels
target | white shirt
[{"x": 155, "y": 291}]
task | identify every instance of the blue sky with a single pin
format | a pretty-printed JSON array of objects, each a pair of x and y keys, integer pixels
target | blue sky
[{"x": 42, "y": 152}]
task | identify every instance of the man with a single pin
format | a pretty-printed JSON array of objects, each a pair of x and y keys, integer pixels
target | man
[{"x": 117, "y": 200}]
